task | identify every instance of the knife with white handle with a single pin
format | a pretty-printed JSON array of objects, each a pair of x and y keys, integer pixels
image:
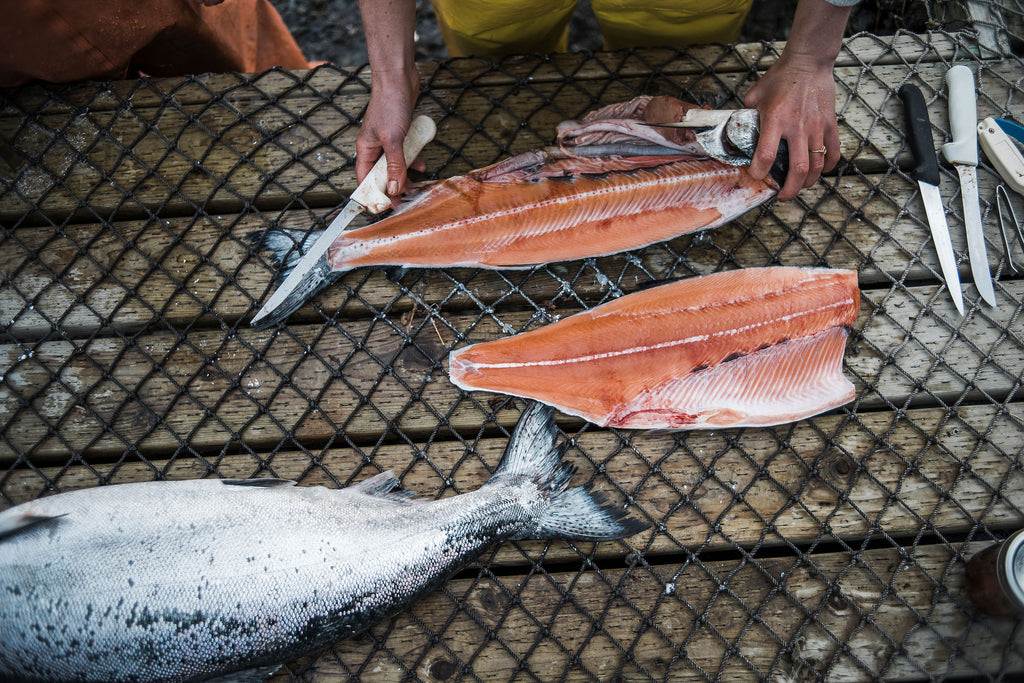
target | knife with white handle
[
  {"x": 962, "y": 152},
  {"x": 311, "y": 272}
]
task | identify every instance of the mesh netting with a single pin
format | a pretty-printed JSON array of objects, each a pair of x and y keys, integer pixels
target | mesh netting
[{"x": 829, "y": 548}]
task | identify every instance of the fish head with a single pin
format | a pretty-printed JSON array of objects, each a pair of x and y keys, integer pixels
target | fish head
[
  {"x": 741, "y": 132},
  {"x": 729, "y": 135},
  {"x": 664, "y": 125}
]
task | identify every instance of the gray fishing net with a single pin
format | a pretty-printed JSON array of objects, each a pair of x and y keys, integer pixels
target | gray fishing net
[{"x": 832, "y": 548}]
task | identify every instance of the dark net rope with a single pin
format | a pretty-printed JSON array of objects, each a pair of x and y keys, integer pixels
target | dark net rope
[{"x": 146, "y": 183}]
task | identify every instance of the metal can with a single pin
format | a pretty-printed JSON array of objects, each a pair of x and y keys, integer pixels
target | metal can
[{"x": 995, "y": 578}]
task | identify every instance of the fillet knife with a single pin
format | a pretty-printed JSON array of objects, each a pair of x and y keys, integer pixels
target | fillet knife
[
  {"x": 962, "y": 152},
  {"x": 926, "y": 172},
  {"x": 312, "y": 269}
]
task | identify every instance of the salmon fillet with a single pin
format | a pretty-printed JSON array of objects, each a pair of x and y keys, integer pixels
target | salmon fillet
[
  {"x": 751, "y": 347},
  {"x": 611, "y": 206}
]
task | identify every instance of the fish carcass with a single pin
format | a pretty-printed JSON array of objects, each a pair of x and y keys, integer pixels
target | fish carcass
[
  {"x": 188, "y": 580},
  {"x": 751, "y": 347},
  {"x": 610, "y": 184}
]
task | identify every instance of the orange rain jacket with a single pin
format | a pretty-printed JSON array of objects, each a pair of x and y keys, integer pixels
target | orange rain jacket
[{"x": 70, "y": 40}]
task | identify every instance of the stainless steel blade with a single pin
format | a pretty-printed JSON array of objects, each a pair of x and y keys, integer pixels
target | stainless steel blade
[
  {"x": 943, "y": 244},
  {"x": 310, "y": 259},
  {"x": 975, "y": 235}
]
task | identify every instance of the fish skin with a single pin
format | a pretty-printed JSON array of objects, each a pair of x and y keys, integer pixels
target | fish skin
[
  {"x": 750, "y": 347},
  {"x": 190, "y": 580}
]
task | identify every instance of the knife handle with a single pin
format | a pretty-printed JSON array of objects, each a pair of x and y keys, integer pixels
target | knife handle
[
  {"x": 1002, "y": 153},
  {"x": 963, "y": 117},
  {"x": 919, "y": 134},
  {"x": 370, "y": 193}
]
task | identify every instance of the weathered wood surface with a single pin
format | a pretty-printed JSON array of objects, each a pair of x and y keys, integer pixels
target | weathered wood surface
[
  {"x": 833, "y": 547},
  {"x": 708, "y": 489},
  {"x": 129, "y": 275},
  {"x": 154, "y": 391},
  {"x": 241, "y": 90},
  {"x": 118, "y": 163},
  {"x": 884, "y": 614}
]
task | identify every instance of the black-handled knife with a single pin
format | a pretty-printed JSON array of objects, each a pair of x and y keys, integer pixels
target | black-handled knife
[
  {"x": 919, "y": 135},
  {"x": 926, "y": 172}
]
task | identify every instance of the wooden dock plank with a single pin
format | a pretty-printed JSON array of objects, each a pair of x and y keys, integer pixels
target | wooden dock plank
[
  {"x": 202, "y": 270},
  {"x": 852, "y": 618},
  {"x": 253, "y": 92},
  {"x": 158, "y": 391},
  {"x": 125, "y": 356},
  {"x": 707, "y": 490},
  {"x": 229, "y": 159}
]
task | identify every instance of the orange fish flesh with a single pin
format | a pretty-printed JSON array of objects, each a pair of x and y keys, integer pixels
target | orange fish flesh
[
  {"x": 751, "y": 347},
  {"x": 610, "y": 185}
]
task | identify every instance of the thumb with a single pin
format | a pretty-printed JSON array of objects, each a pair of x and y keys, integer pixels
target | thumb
[{"x": 396, "y": 167}]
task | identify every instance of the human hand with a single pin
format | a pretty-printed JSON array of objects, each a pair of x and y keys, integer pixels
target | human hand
[
  {"x": 796, "y": 102},
  {"x": 385, "y": 125}
]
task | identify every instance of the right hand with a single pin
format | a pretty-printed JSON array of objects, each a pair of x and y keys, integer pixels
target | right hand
[{"x": 385, "y": 125}]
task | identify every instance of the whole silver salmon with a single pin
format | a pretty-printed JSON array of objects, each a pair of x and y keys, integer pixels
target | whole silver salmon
[{"x": 184, "y": 581}]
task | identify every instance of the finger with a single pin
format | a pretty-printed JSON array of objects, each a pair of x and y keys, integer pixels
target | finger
[
  {"x": 753, "y": 97},
  {"x": 418, "y": 165},
  {"x": 816, "y": 163},
  {"x": 799, "y": 166},
  {"x": 834, "y": 149},
  {"x": 396, "y": 167},
  {"x": 367, "y": 154},
  {"x": 764, "y": 155}
]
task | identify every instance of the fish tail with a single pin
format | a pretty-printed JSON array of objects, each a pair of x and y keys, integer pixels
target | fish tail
[
  {"x": 286, "y": 247},
  {"x": 573, "y": 514}
]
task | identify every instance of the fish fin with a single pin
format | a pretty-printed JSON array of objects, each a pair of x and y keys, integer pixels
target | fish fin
[
  {"x": 579, "y": 514},
  {"x": 575, "y": 513},
  {"x": 16, "y": 523},
  {"x": 247, "y": 676},
  {"x": 286, "y": 248},
  {"x": 531, "y": 450},
  {"x": 263, "y": 483},
  {"x": 383, "y": 485},
  {"x": 395, "y": 273}
]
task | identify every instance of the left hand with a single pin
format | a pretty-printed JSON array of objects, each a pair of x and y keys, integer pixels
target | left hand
[{"x": 796, "y": 102}]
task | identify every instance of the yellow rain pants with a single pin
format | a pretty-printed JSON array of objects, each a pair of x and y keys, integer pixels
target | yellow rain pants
[{"x": 497, "y": 27}]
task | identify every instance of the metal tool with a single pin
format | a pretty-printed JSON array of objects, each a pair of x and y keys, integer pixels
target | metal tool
[
  {"x": 312, "y": 268},
  {"x": 962, "y": 152},
  {"x": 721, "y": 132},
  {"x": 926, "y": 172},
  {"x": 1005, "y": 210},
  {"x": 994, "y": 136}
]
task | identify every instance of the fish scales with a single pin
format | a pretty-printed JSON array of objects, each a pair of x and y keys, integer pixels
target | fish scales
[
  {"x": 183, "y": 581},
  {"x": 465, "y": 222},
  {"x": 756, "y": 346}
]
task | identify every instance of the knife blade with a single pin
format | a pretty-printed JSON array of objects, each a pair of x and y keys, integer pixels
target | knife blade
[
  {"x": 312, "y": 268},
  {"x": 926, "y": 172},
  {"x": 962, "y": 153}
]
